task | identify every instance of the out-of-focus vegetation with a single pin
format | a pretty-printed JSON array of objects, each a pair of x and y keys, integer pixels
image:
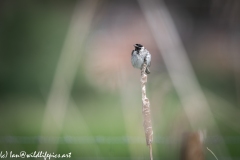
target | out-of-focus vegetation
[{"x": 103, "y": 118}]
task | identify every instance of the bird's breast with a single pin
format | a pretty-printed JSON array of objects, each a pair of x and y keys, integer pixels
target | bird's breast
[{"x": 137, "y": 60}]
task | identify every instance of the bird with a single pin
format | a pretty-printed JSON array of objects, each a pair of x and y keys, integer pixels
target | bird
[{"x": 141, "y": 55}]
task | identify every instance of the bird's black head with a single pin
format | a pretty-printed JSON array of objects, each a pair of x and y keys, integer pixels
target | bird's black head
[{"x": 138, "y": 47}]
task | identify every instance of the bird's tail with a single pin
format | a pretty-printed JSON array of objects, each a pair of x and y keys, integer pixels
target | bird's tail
[{"x": 147, "y": 70}]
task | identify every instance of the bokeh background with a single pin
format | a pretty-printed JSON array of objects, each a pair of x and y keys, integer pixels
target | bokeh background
[{"x": 67, "y": 84}]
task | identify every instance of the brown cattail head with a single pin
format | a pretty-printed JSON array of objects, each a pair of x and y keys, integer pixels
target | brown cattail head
[{"x": 192, "y": 146}]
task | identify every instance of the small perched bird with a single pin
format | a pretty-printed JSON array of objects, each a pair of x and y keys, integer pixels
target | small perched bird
[{"x": 140, "y": 55}]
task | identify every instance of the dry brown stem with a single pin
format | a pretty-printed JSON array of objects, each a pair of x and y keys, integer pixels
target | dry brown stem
[{"x": 147, "y": 124}]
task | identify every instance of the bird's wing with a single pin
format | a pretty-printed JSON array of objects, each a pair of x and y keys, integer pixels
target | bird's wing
[{"x": 148, "y": 57}]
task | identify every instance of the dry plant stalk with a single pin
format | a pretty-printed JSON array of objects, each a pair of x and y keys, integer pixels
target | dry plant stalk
[{"x": 147, "y": 124}]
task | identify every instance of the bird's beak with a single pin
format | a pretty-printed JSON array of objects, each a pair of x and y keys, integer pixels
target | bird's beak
[{"x": 135, "y": 45}]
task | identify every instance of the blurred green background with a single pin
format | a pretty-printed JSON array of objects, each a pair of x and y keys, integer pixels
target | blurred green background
[{"x": 67, "y": 84}]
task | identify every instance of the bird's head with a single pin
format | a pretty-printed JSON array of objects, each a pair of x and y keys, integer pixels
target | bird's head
[{"x": 138, "y": 47}]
